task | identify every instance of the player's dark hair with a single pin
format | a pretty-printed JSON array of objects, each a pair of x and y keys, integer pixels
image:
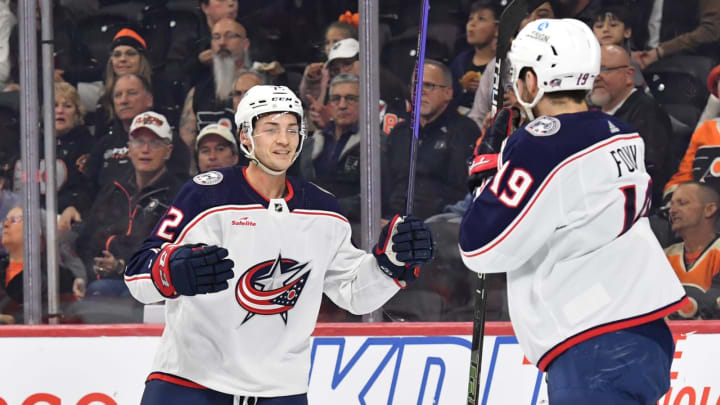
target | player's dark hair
[
  {"x": 485, "y": 5},
  {"x": 578, "y": 96}
]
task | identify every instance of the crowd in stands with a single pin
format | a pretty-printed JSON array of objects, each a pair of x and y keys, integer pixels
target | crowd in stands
[{"x": 145, "y": 95}]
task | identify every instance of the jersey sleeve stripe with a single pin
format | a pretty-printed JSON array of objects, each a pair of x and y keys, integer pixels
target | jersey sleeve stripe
[
  {"x": 136, "y": 278},
  {"x": 561, "y": 347},
  {"x": 542, "y": 187},
  {"x": 326, "y": 213}
]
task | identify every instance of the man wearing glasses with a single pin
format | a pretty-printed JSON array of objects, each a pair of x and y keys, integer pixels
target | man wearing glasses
[
  {"x": 331, "y": 158},
  {"x": 615, "y": 93},
  {"x": 211, "y": 101},
  {"x": 126, "y": 210},
  {"x": 446, "y": 141}
]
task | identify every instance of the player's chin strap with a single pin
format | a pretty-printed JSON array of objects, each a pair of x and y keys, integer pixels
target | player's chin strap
[
  {"x": 264, "y": 168},
  {"x": 528, "y": 107}
]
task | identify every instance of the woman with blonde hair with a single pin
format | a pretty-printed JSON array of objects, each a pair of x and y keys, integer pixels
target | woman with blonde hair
[{"x": 73, "y": 145}]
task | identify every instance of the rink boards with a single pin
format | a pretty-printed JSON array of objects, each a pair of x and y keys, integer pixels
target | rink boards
[{"x": 411, "y": 363}]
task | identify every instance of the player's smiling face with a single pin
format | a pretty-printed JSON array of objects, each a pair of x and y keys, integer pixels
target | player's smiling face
[{"x": 276, "y": 137}]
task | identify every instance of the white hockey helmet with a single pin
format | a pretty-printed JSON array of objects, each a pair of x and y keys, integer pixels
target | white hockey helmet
[
  {"x": 260, "y": 100},
  {"x": 564, "y": 54}
]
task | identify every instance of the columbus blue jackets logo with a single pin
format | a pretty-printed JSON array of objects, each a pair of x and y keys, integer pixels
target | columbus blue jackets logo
[{"x": 271, "y": 287}]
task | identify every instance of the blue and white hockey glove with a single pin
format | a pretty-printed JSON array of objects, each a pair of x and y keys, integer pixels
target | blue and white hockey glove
[
  {"x": 191, "y": 269},
  {"x": 485, "y": 159},
  {"x": 405, "y": 244}
]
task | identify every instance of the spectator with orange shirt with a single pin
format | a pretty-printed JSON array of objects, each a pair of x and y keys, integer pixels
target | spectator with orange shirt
[
  {"x": 700, "y": 157},
  {"x": 696, "y": 260},
  {"x": 11, "y": 268}
]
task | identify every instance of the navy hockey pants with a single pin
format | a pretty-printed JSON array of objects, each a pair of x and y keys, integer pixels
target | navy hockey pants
[
  {"x": 158, "y": 392},
  {"x": 626, "y": 367}
]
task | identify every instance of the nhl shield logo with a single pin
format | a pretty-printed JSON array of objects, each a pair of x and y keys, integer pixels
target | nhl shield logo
[
  {"x": 209, "y": 178},
  {"x": 271, "y": 287}
]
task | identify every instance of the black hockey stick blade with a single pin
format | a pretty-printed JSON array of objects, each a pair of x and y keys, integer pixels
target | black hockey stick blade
[{"x": 477, "y": 340}]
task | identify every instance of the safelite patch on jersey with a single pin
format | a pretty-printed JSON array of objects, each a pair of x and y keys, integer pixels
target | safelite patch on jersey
[
  {"x": 208, "y": 179},
  {"x": 544, "y": 126}
]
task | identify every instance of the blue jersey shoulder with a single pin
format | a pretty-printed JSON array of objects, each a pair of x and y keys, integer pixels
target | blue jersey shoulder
[
  {"x": 312, "y": 197},
  {"x": 534, "y": 151},
  {"x": 547, "y": 141}
]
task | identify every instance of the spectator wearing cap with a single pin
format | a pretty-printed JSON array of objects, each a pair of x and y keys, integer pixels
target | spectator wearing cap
[
  {"x": 216, "y": 148},
  {"x": 331, "y": 156},
  {"x": 316, "y": 78},
  {"x": 210, "y": 101},
  {"x": 127, "y": 210},
  {"x": 129, "y": 55},
  {"x": 344, "y": 57},
  {"x": 109, "y": 159},
  {"x": 696, "y": 260},
  {"x": 615, "y": 93},
  {"x": 469, "y": 66},
  {"x": 446, "y": 141}
]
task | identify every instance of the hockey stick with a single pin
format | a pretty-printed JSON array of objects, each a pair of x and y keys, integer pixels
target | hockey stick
[
  {"x": 510, "y": 21},
  {"x": 417, "y": 99}
]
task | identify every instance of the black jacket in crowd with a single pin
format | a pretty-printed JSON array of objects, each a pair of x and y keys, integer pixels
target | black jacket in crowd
[
  {"x": 444, "y": 147},
  {"x": 653, "y": 124},
  {"x": 71, "y": 152},
  {"x": 122, "y": 216},
  {"x": 344, "y": 182},
  {"x": 11, "y": 295}
]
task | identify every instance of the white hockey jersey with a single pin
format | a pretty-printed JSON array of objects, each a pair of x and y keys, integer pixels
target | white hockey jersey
[
  {"x": 254, "y": 338},
  {"x": 566, "y": 217}
]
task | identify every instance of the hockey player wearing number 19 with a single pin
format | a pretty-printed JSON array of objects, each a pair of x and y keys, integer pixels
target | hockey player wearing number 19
[
  {"x": 565, "y": 217},
  {"x": 242, "y": 258}
]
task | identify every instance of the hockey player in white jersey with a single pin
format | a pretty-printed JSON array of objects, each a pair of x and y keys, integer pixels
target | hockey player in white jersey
[
  {"x": 242, "y": 258},
  {"x": 565, "y": 217}
]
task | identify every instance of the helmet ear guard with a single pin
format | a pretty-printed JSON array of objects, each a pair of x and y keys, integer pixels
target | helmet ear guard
[
  {"x": 261, "y": 100},
  {"x": 564, "y": 55}
]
